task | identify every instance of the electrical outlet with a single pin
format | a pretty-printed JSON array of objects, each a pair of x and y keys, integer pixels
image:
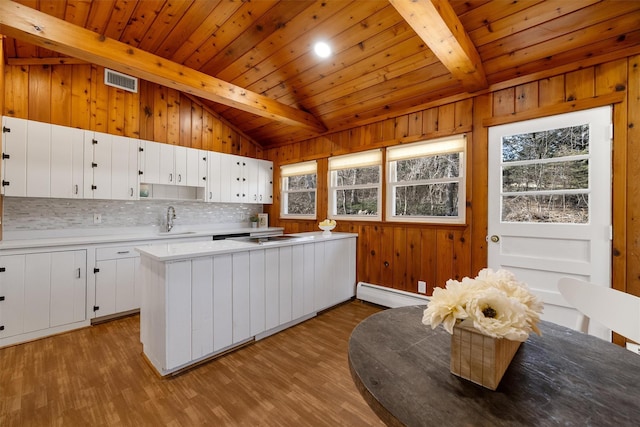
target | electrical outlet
[
  {"x": 422, "y": 287},
  {"x": 97, "y": 218}
]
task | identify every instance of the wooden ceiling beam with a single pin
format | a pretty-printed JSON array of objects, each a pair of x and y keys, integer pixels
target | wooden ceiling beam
[
  {"x": 438, "y": 26},
  {"x": 55, "y": 34}
]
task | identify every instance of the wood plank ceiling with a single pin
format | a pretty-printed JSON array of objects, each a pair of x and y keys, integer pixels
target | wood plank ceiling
[{"x": 380, "y": 64}]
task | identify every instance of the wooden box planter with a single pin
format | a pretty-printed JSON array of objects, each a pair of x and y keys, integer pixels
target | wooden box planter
[{"x": 480, "y": 358}]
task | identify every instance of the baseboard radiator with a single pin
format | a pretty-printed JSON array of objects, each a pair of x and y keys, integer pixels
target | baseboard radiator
[{"x": 388, "y": 297}]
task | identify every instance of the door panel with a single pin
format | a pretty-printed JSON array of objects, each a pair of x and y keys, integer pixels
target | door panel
[{"x": 550, "y": 204}]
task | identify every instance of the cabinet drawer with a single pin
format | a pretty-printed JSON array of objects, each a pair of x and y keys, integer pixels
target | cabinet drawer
[{"x": 116, "y": 252}]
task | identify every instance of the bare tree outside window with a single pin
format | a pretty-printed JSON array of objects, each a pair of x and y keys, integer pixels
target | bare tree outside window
[{"x": 545, "y": 176}]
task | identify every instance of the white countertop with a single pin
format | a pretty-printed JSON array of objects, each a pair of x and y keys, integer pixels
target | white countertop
[
  {"x": 123, "y": 235},
  {"x": 183, "y": 251}
]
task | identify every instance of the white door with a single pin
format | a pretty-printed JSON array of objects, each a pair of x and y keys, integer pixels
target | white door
[{"x": 550, "y": 204}]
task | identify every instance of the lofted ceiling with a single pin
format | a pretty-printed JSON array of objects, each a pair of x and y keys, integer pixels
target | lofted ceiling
[{"x": 388, "y": 56}]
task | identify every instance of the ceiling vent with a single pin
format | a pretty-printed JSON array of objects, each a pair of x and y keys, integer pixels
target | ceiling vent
[{"x": 121, "y": 81}]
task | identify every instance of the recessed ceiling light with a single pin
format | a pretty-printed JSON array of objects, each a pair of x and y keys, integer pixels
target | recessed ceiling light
[{"x": 322, "y": 49}]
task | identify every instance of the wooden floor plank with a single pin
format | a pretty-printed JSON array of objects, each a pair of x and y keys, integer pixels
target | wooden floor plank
[{"x": 97, "y": 376}]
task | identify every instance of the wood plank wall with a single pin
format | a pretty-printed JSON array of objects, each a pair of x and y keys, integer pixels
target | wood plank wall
[
  {"x": 75, "y": 95},
  {"x": 398, "y": 255}
]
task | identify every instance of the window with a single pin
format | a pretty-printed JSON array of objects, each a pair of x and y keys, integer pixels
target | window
[
  {"x": 426, "y": 181},
  {"x": 299, "y": 190},
  {"x": 354, "y": 185}
]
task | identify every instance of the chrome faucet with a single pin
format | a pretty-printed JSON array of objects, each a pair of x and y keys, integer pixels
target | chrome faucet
[{"x": 171, "y": 215}]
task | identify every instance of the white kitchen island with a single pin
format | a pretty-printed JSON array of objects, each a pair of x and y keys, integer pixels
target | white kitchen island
[{"x": 202, "y": 299}]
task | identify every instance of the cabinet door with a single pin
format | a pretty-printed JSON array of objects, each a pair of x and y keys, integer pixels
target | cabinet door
[
  {"x": 241, "y": 299},
  {"x": 106, "y": 279},
  {"x": 126, "y": 284},
  {"x": 192, "y": 167},
  {"x": 201, "y": 307},
  {"x": 238, "y": 180},
  {"x": 222, "y": 302},
  {"x": 322, "y": 292},
  {"x": 227, "y": 181},
  {"x": 38, "y": 159},
  {"x": 67, "y": 157},
  {"x": 124, "y": 168},
  {"x": 272, "y": 291},
  {"x": 286, "y": 285},
  {"x": 214, "y": 178},
  {"x": 297, "y": 282},
  {"x": 203, "y": 168},
  {"x": 251, "y": 174},
  {"x": 178, "y": 313},
  {"x": 257, "y": 292},
  {"x": 97, "y": 176},
  {"x": 12, "y": 277},
  {"x": 14, "y": 159},
  {"x": 180, "y": 158},
  {"x": 308, "y": 281},
  {"x": 151, "y": 163},
  {"x": 68, "y": 287},
  {"x": 265, "y": 182},
  {"x": 37, "y": 291},
  {"x": 167, "y": 164}
]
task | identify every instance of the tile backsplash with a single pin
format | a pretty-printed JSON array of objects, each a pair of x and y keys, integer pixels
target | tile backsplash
[{"x": 33, "y": 214}]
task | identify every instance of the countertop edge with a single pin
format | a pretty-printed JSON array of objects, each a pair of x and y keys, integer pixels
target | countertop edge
[{"x": 218, "y": 247}]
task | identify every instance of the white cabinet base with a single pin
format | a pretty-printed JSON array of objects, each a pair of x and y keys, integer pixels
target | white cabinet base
[{"x": 200, "y": 306}]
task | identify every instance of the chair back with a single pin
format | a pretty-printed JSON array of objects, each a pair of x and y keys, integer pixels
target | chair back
[{"x": 616, "y": 310}]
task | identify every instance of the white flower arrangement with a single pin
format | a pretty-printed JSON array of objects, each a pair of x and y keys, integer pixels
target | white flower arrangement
[{"x": 498, "y": 304}]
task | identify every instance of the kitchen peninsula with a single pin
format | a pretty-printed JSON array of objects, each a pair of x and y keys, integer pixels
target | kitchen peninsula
[{"x": 202, "y": 299}]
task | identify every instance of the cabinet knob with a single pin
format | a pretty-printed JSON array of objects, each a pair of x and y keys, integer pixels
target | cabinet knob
[{"x": 1, "y": 327}]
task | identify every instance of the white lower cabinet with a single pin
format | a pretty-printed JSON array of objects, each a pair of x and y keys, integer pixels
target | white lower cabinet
[
  {"x": 195, "y": 308},
  {"x": 40, "y": 292},
  {"x": 117, "y": 281}
]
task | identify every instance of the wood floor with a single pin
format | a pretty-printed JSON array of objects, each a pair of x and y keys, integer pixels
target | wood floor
[{"x": 97, "y": 376}]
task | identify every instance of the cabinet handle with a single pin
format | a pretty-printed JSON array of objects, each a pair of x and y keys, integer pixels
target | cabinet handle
[
  {"x": 2, "y": 298},
  {"x": 261, "y": 197},
  {"x": 210, "y": 195},
  {"x": 78, "y": 273},
  {"x": 122, "y": 252},
  {"x": 179, "y": 177},
  {"x": 131, "y": 191},
  {"x": 76, "y": 188},
  {"x": 1, "y": 327},
  {"x": 170, "y": 177}
]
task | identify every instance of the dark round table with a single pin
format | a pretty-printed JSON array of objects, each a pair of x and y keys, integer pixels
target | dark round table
[{"x": 563, "y": 377}]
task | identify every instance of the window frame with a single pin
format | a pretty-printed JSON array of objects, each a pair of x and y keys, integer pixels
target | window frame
[
  {"x": 432, "y": 147},
  {"x": 298, "y": 169},
  {"x": 352, "y": 161}
]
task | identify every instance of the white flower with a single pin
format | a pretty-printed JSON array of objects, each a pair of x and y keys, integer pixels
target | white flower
[
  {"x": 499, "y": 305},
  {"x": 498, "y": 315}
]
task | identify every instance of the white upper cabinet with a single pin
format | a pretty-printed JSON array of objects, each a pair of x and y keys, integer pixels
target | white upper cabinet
[
  {"x": 44, "y": 160},
  {"x": 67, "y": 157},
  {"x": 214, "y": 181},
  {"x": 265, "y": 182},
  {"x": 150, "y": 162},
  {"x": 167, "y": 164},
  {"x": 97, "y": 165},
  {"x": 124, "y": 168},
  {"x": 14, "y": 156},
  {"x": 25, "y": 158},
  {"x": 38, "y": 159}
]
